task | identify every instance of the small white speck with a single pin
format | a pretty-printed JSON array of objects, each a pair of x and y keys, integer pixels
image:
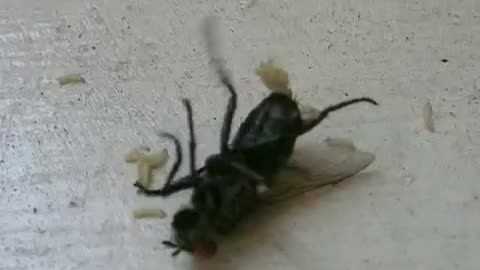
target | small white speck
[
  {"x": 409, "y": 180},
  {"x": 262, "y": 188}
]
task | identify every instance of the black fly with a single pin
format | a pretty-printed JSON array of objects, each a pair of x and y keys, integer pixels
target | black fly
[{"x": 225, "y": 188}]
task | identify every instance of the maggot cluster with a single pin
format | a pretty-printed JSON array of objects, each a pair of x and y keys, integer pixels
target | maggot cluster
[{"x": 226, "y": 187}]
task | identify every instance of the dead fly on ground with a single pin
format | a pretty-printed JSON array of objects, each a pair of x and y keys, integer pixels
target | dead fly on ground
[{"x": 226, "y": 188}]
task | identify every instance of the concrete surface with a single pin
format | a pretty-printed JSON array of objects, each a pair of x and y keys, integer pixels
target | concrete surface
[{"x": 66, "y": 194}]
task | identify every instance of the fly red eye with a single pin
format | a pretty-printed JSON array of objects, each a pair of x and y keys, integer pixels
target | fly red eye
[{"x": 205, "y": 249}]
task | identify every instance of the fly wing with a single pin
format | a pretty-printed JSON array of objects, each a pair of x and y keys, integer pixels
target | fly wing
[{"x": 334, "y": 160}]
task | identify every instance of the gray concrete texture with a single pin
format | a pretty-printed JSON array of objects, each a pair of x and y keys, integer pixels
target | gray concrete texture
[{"x": 66, "y": 193}]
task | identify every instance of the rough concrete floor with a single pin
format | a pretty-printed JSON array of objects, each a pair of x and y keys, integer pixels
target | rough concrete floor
[{"x": 66, "y": 194}]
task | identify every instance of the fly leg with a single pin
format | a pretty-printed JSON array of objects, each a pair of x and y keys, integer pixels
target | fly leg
[
  {"x": 212, "y": 38},
  {"x": 187, "y": 181},
  {"x": 319, "y": 116},
  {"x": 173, "y": 171}
]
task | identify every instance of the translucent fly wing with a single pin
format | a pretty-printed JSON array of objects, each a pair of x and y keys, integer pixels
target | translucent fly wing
[{"x": 332, "y": 161}]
